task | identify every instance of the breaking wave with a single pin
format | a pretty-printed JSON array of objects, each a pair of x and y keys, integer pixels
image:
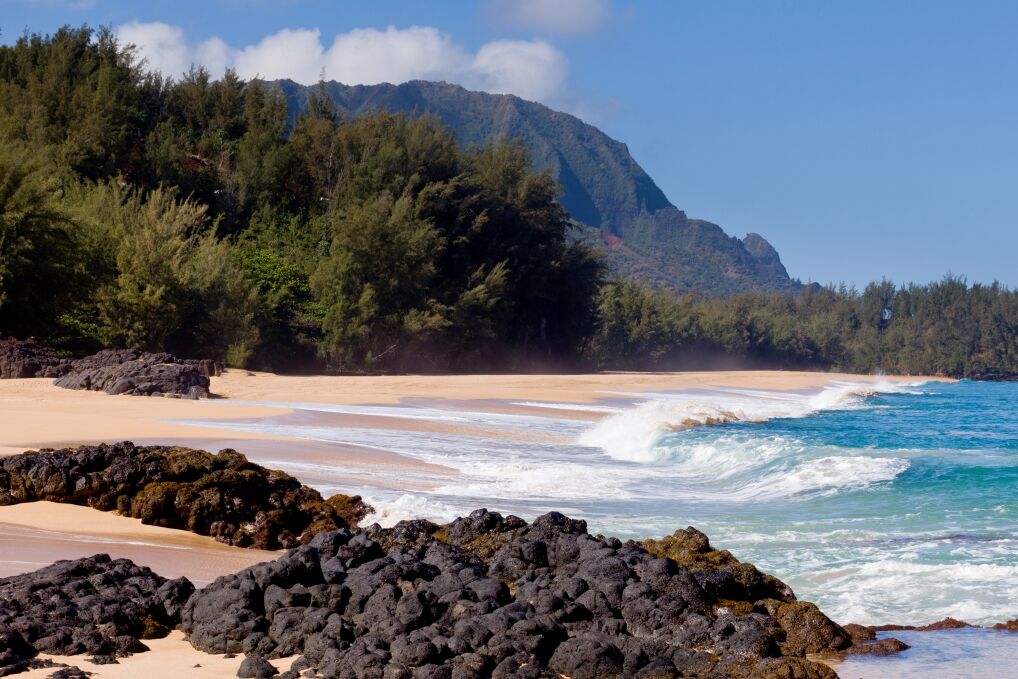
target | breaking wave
[{"x": 636, "y": 434}]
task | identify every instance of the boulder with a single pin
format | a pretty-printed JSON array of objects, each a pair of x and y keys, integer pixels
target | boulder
[
  {"x": 493, "y": 596},
  {"x": 99, "y": 606},
  {"x": 138, "y": 373},
  {"x": 256, "y": 667},
  {"x": 28, "y": 358},
  {"x": 223, "y": 495},
  {"x": 888, "y": 646}
]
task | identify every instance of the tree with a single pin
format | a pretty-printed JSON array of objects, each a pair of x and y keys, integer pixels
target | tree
[{"x": 39, "y": 263}]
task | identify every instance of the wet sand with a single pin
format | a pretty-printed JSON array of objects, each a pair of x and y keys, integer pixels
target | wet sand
[
  {"x": 36, "y": 534},
  {"x": 34, "y": 413}
]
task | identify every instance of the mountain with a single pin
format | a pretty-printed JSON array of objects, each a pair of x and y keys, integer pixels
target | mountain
[{"x": 604, "y": 189}]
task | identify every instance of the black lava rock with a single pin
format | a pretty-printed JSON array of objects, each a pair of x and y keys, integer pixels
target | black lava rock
[
  {"x": 94, "y": 605},
  {"x": 138, "y": 373},
  {"x": 491, "y": 596},
  {"x": 256, "y": 667},
  {"x": 224, "y": 496},
  {"x": 28, "y": 358}
]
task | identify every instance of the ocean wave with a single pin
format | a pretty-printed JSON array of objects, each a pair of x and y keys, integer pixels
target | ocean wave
[
  {"x": 515, "y": 479},
  {"x": 823, "y": 476},
  {"x": 635, "y": 435},
  {"x": 390, "y": 511},
  {"x": 896, "y": 590}
]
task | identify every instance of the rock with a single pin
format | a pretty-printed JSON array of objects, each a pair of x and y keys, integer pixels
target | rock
[
  {"x": 223, "y": 495},
  {"x": 97, "y": 606},
  {"x": 888, "y": 646},
  {"x": 1009, "y": 626},
  {"x": 946, "y": 623},
  {"x": 115, "y": 371},
  {"x": 491, "y": 596},
  {"x": 807, "y": 630},
  {"x": 70, "y": 673},
  {"x": 28, "y": 358},
  {"x": 138, "y": 373},
  {"x": 718, "y": 571},
  {"x": 256, "y": 667},
  {"x": 16, "y": 654},
  {"x": 859, "y": 633}
]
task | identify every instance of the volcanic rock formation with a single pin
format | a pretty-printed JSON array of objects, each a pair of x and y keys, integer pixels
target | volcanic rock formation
[{"x": 225, "y": 496}]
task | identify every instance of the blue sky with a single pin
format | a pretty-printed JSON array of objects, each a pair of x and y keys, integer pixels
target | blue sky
[{"x": 863, "y": 139}]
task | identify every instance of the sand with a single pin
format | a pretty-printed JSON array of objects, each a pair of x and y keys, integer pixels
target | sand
[
  {"x": 34, "y": 413},
  {"x": 36, "y": 534},
  {"x": 240, "y": 385},
  {"x": 167, "y": 658}
]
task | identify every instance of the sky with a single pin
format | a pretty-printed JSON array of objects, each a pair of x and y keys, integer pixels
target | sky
[{"x": 864, "y": 139}]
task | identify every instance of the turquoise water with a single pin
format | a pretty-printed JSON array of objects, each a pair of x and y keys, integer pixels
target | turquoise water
[
  {"x": 918, "y": 520},
  {"x": 883, "y": 504}
]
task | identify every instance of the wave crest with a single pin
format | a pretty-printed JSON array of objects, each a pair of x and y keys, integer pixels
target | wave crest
[{"x": 634, "y": 435}]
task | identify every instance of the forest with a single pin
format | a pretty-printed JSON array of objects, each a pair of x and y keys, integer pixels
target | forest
[{"x": 204, "y": 218}]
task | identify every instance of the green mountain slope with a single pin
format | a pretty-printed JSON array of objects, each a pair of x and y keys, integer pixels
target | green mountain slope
[{"x": 604, "y": 188}]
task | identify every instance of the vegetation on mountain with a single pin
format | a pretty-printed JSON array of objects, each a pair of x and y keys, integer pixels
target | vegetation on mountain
[
  {"x": 604, "y": 189},
  {"x": 219, "y": 219}
]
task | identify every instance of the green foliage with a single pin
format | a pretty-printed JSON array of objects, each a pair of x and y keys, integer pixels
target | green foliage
[
  {"x": 945, "y": 328},
  {"x": 38, "y": 271},
  {"x": 199, "y": 217}
]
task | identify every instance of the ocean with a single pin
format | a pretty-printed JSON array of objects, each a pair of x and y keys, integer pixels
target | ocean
[{"x": 882, "y": 503}]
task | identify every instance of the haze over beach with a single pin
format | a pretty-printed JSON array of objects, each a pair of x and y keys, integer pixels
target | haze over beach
[{"x": 534, "y": 339}]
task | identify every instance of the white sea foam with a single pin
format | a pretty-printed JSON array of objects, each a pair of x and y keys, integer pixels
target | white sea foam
[
  {"x": 634, "y": 435},
  {"x": 895, "y": 589},
  {"x": 388, "y": 512},
  {"x": 823, "y": 476},
  {"x": 517, "y": 479}
]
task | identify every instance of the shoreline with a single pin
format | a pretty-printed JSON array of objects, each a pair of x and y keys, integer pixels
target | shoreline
[
  {"x": 40, "y": 533},
  {"x": 34, "y": 413}
]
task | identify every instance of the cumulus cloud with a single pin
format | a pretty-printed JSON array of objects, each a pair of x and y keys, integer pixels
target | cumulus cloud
[
  {"x": 164, "y": 48},
  {"x": 532, "y": 69},
  {"x": 556, "y": 16}
]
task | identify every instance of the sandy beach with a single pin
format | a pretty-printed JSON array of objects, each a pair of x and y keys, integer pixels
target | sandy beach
[
  {"x": 36, "y": 534},
  {"x": 170, "y": 657},
  {"x": 34, "y": 413}
]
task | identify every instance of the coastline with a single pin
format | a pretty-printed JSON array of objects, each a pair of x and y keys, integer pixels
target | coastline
[
  {"x": 157, "y": 420},
  {"x": 35, "y": 414}
]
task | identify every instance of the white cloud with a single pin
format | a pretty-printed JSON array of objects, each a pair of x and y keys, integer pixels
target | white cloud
[
  {"x": 365, "y": 56},
  {"x": 287, "y": 54},
  {"x": 164, "y": 49},
  {"x": 532, "y": 70},
  {"x": 556, "y": 16}
]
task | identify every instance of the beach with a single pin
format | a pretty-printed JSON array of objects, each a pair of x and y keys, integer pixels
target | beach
[
  {"x": 35, "y": 414},
  {"x": 441, "y": 446}
]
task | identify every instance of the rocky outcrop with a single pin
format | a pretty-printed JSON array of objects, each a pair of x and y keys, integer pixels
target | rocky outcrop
[
  {"x": 946, "y": 623},
  {"x": 115, "y": 371},
  {"x": 27, "y": 358},
  {"x": 138, "y": 373},
  {"x": 493, "y": 596},
  {"x": 1009, "y": 626},
  {"x": 888, "y": 646},
  {"x": 223, "y": 495},
  {"x": 96, "y": 605}
]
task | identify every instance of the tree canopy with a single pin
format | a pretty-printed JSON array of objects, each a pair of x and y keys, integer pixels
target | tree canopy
[{"x": 204, "y": 217}]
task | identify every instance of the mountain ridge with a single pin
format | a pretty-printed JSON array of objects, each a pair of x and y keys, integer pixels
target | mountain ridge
[{"x": 605, "y": 190}]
